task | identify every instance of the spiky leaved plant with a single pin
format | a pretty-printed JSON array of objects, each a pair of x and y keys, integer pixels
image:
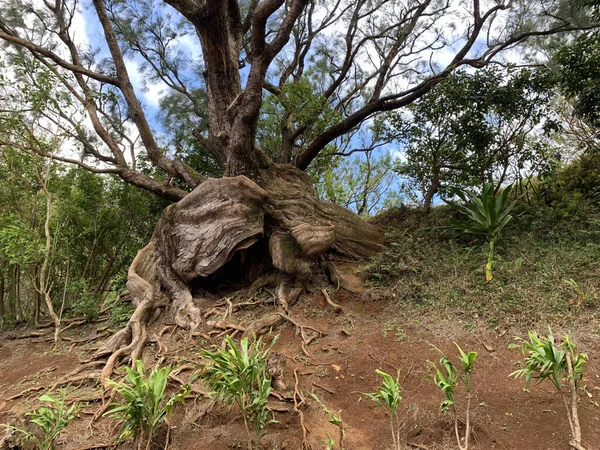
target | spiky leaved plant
[{"x": 487, "y": 215}]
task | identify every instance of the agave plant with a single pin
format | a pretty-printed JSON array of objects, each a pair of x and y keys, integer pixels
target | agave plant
[{"x": 487, "y": 215}]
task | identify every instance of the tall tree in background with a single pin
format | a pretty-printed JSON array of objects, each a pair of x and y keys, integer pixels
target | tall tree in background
[
  {"x": 376, "y": 55},
  {"x": 474, "y": 127}
]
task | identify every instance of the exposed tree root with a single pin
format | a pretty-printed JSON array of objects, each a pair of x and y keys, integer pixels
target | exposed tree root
[
  {"x": 300, "y": 400},
  {"x": 63, "y": 381},
  {"x": 304, "y": 331},
  {"x": 331, "y": 302},
  {"x": 268, "y": 233}
]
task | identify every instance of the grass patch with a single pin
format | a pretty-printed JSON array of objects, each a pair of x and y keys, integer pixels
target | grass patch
[{"x": 538, "y": 260}]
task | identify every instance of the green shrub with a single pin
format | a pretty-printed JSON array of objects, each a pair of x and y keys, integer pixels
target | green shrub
[{"x": 145, "y": 404}]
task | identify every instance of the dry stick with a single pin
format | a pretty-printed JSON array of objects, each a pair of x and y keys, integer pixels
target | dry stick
[
  {"x": 415, "y": 445},
  {"x": 468, "y": 426},
  {"x": 576, "y": 443},
  {"x": 331, "y": 302},
  {"x": 456, "y": 431},
  {"x": 323, "y": 387},
  {"x": 73, "y": 324}
]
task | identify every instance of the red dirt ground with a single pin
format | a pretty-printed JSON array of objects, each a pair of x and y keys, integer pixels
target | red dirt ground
[{"x": 373, "y": 332}]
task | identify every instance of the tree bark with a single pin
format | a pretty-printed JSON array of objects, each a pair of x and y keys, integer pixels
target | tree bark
[{"x": 433, "y": 189}]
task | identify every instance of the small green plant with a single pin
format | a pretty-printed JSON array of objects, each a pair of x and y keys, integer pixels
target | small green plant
[
  {"x": 487, "y": 215},
  {"x": 145, "y": 404},
  {"x": 389, "y": 397},
  {"x": 334, "y": 419},
  {"x": 559, "y": 362},
  {"x": 239, "y": 375},
  {"x": 51, "y": 420},
  {"x": 446, "y": 377}
]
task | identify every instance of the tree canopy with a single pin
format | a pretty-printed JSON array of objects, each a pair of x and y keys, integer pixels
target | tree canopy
[{"x": 246, "y": 83}]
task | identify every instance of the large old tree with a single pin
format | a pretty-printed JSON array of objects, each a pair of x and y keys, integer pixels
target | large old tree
[{"x": 318, "y": 70}]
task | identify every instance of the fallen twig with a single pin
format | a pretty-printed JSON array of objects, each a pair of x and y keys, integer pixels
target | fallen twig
[{"x": 323, "y": 387}]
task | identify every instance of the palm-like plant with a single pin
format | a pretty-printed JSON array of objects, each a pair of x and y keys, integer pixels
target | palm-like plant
[
  {"x": 559, "y": 362},
  {"x": 145, "y": 404},
  {"x": 487, "y": 215}
]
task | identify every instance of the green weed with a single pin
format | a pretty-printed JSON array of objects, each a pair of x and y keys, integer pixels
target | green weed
[
  {"x": 334, "y": 419},
  {"x": 446, "y": 378},
  {"x": 389, "y": 397},
  {"x": 51, "y": 420}
]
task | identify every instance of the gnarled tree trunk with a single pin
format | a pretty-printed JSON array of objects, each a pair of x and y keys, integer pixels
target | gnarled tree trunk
[{"x": 276, "y": 221}]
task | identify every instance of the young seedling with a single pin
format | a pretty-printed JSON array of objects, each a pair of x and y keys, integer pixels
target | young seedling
[
  {"x": 389, "y": 397},
  {"x": 51, "y": 420},
  {"x": 145, "y": 404},
  {"x": 446, "y": 377},
  {"x": 559, "y": 362},
  {"x": 334, "y": 419},
  {"x": 239, "y": 375}
]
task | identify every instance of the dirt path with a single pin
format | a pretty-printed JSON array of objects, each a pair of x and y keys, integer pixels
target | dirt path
[{"x": 372, "y": 333}]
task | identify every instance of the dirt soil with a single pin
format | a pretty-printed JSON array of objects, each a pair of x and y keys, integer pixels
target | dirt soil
[{"x": 372, "y": 332}]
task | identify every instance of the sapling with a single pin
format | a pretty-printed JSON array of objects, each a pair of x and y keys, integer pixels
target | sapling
[
  {"x": 559, "y": 362},
  {"x": 334, "y": 419},
  {"x": 51, "y": 420},
  {"x": 446, "y": 378},
  {"x": 239, "y": 375},
  {"x": 145, "y": 404},
  {"x": 389, "y": 397}
]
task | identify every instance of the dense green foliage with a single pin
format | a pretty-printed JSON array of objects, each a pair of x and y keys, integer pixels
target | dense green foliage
[
  {"x": 97, "y": 226},
  {"x": 473, "y": 127}
]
